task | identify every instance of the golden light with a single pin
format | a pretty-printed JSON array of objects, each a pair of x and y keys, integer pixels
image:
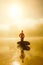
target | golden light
[
  {"x": 27, "y": 23},
  {"x": 4, "y": 27},
  {"x": 20, "y": 24},
  {"x": 16, "y": 63},
  {"x": 30, "y": 23},
  {"x": 14, "y": 11}
]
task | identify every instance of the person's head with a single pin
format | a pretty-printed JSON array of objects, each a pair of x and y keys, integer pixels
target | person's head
[{"x": 22, "y": 31}]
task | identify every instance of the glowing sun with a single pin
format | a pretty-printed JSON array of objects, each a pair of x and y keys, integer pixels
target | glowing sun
[{"x": 14, "y": 11}]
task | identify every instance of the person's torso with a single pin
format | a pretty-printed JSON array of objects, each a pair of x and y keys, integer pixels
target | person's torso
[{"x": 22, "y": 35}]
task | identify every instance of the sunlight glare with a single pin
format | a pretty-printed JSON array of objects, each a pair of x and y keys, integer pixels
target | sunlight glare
[
  {"x": 16, "y": 63},
  {"x": 14, "y": 11}
]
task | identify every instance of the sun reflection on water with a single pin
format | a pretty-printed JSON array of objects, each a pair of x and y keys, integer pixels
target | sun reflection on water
[{"x": 16, "y": 63}]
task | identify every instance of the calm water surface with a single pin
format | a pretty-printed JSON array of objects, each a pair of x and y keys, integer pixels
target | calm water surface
[{"x": 9, "y": 53}]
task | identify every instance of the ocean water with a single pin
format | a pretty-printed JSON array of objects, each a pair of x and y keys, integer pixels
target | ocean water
[{"x": 9, "y": 52}]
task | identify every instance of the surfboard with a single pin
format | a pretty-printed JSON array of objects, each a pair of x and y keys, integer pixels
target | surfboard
[
  {"x": 24, "y": 42},
  {"x": 24, "y": 45}
]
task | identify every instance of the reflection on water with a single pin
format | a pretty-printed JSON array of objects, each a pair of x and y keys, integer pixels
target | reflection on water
[
  {"x": 15, "y": 63},
  {"x": 9, "y": 53}
]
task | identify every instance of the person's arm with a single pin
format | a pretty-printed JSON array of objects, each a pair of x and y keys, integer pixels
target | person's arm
[
  {"x": 19, "y": 35},
  {"x": 24, "y": 35}
]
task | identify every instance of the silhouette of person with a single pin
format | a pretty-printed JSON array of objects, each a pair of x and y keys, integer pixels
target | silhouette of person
[{"x": 21, "y": 35}]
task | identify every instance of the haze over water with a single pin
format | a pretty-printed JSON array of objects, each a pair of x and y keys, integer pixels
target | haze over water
[{"x": 9, "y": 53}]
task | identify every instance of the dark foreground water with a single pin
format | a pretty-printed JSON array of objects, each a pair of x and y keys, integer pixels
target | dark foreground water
[{"x": 9, "y": 53}]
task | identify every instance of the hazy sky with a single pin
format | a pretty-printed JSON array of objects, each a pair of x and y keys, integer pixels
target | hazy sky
[
  {"x": 20, "y": 14},
  {"x": 30, "y": 9}
]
